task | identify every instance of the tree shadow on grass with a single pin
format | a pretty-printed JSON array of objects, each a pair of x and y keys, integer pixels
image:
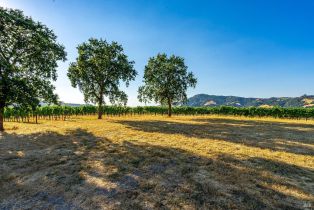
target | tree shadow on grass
[
  {"x": 293, "y": 138},
  {"x": 78, "y": 170}
]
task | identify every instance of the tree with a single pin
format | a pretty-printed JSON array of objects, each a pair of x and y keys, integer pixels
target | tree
[
  {"x": 28, "y": 60},
  {"x": 98, "y": 71},
  {"x": 166, "y": 81}
]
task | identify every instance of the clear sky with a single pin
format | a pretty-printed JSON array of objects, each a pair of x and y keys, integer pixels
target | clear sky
[{"x": 249, "y": 48}]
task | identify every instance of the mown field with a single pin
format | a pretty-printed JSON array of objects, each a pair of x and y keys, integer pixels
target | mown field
[{"x": 156, "y": 162}]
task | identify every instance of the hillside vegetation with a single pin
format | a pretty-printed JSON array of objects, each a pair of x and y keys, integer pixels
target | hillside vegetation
[
  {"x": 213, "y": 100},
  {"x": 156, "y": 162}
]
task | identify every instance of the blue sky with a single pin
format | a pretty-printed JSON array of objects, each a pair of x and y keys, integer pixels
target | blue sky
[{"x": 249, "y": 48}]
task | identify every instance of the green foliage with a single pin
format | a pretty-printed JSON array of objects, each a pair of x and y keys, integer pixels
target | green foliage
[
  {"x": 98, "y": 71},
  {"x": 28, "y": 60},
  {"x": 166, "y": 80},
  {"x": 63, "y": 112}
]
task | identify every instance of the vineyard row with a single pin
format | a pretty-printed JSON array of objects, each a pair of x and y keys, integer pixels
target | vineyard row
[{"x": 64, "y": 112}]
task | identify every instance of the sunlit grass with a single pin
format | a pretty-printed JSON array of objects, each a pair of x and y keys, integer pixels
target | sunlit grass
[{"x": 159, "y": 162}]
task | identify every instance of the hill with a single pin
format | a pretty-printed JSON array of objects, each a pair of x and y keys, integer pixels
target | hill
[{"x": 214, "y": 100}]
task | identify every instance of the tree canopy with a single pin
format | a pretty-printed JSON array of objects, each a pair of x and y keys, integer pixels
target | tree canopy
[
  {"x": 166, "y": 81},
  {"x": 98, "y": 71},
  {"x": 28, "y": 59}
]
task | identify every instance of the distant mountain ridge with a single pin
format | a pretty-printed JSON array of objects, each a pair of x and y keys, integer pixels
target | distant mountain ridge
[
  {"x": 214, "y": 100},
  {"x": 72, "y": 104}
]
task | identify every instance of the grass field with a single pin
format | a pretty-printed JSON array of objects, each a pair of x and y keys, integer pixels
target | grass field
[{"x": 155, "y": 162}]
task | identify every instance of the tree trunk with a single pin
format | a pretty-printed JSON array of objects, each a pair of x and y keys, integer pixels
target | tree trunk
[
  {"x": 169, "y": 108},
  {"x": 2, "y": 98},
  {"x": 100, "y": 111},
  {"x": 1, "y": 116}
]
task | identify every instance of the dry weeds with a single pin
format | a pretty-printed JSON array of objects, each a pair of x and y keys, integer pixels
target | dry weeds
[{"x": 154, "y": 162}]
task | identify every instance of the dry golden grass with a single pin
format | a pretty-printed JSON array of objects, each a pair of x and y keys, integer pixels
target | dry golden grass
[
  {"x": 155, "y": 162},
  {"x": 308, "y": 101}
]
